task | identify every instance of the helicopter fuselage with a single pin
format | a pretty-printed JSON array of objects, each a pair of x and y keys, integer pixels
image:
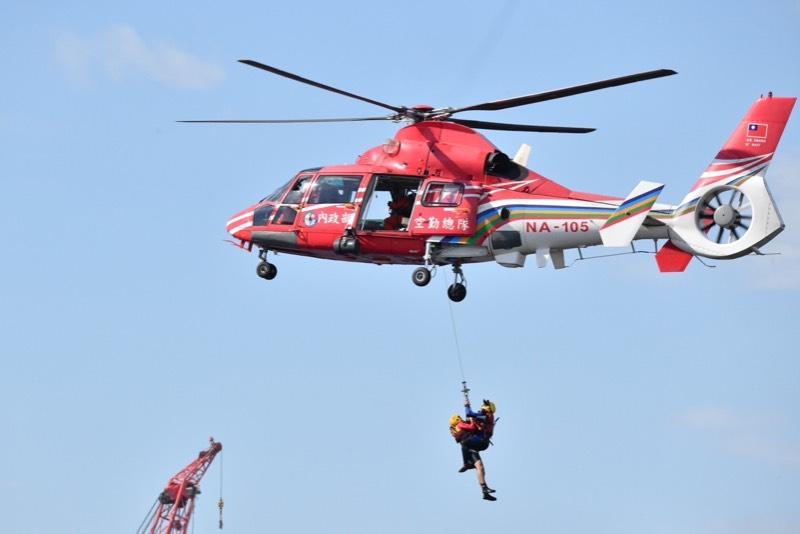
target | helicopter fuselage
[{"x": 437, "y": 193}]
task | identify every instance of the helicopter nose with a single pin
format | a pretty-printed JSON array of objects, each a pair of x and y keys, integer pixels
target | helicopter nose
[{"x": 239, "y": 223}]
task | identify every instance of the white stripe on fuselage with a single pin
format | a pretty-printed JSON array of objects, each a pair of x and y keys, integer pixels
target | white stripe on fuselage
[
  {"x": 239, "y": 218},
  {"x": 234, "y": 231}
]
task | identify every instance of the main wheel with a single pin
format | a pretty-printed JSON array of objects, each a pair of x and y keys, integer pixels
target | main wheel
[
  {"x": 457, "y": 292},
  {"x": 421, "y": 276},
  {"x": 267, "y": 271}
]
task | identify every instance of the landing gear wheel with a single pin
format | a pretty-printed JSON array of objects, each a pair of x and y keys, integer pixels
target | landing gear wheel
[
  {"x": 421, "y": 276},
  {"x": 267, "y": 271},
  {"x": 458, "y": 289},
  {"x": 457, "y": 292}
]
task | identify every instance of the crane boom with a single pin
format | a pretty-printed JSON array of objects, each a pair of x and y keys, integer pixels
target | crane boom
[{"x": 176, "y": 502}]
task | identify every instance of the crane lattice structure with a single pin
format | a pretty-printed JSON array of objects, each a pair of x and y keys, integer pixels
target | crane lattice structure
[{"x": 172, "y": 511}]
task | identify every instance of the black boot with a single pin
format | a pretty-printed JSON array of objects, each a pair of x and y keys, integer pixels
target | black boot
[
  {"x": 466, "y": 467},
  {"x": 487, "y": 496}
]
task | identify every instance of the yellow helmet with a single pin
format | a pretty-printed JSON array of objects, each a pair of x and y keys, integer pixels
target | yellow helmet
[
  {"x": 455, "y": 419},
  {"x": 488, "y": 406}
]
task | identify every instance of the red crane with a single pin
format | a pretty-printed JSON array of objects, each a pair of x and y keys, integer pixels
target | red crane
[{"x": 174, "y": 506}]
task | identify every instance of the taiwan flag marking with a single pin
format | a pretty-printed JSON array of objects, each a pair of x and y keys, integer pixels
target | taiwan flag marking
[{"x": 757, "y": 130}]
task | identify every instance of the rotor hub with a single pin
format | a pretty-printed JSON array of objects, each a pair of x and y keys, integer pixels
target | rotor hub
[{"x": 726, "y": 216}]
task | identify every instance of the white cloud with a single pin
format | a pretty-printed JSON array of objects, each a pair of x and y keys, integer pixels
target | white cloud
[
  {"x": 710, "y": 418},
  {"x": 120, "y": 53},
  {"x": 755, "y": 436}
]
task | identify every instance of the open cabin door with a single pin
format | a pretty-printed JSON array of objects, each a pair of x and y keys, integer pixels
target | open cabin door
[{"x": 445, "y": 208}]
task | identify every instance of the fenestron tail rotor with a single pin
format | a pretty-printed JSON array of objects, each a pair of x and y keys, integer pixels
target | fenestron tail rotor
[
  {"x": 427, "y": 113},
  {"x": 724, "y": 214}
]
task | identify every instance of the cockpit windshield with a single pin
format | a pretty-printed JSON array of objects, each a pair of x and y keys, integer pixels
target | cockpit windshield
[{"x": 278, "y": 194}]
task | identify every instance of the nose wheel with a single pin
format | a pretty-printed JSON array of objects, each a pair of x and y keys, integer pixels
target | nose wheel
[{"x": 265, "y": 269}]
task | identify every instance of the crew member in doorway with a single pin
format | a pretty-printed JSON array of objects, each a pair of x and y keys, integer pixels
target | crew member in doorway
[
  {"x": 474, "y": 436},
  {"x": 398, "y": 210}
]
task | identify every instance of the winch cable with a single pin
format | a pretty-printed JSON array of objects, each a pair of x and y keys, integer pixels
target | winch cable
[
  {"x": 464, "y": 388},
  {"x": 455, "y": 338}
]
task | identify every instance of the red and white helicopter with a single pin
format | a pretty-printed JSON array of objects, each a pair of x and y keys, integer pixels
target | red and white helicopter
[{"x": 439, "y": 193}]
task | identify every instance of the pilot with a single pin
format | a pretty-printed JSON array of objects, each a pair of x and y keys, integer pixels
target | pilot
[
  {"x": 474, "y": 436},
  {"x": 326, "y": 194}
]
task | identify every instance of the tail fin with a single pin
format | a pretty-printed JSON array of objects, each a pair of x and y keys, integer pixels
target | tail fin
[
  {"x": 752, "y": 144},
  {"x": 729, "y": 212}
]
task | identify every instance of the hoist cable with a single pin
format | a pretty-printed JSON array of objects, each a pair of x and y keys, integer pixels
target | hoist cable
[{"x": 455, "y": 336}]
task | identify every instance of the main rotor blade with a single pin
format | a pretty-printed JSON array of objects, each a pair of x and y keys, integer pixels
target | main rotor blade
[
  {"x": 300, "y": 79},
  {"x": 287, "y": 121},
  {"x": 483, "y": 125},
  {"x": 567, "y": 91}
]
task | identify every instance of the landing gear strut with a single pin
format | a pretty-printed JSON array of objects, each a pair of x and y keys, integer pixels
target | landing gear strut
[
  {"x": 422, "y": 275},
  {"x": 265, "y": 269},
  {"x": 458, "y": 289}
]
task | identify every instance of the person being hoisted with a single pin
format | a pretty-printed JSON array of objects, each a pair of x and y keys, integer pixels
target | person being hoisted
[{"x": 474, "y": 435}]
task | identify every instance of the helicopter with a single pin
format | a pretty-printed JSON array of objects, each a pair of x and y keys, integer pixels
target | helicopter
[{"x": 441, "y": 194}]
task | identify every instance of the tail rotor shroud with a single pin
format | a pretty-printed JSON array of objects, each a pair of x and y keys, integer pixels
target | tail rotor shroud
[{"x": 724, "y": 214}]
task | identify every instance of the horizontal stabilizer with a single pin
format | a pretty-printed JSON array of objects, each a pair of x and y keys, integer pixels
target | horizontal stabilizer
[
  {"x": 671, "y": 259},
  {"x": 622, "y": 225}
]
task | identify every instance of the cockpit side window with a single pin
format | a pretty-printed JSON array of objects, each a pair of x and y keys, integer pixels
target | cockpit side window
[
  {"x": 334, "y": 190},
  {"x": 287, "y": 211},
  {"x": 295, "y": 194}
]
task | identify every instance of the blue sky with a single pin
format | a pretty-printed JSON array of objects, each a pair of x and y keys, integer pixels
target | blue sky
[{"x": 630, "y": 401}]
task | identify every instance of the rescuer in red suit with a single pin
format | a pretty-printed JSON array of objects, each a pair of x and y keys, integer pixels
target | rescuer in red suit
[
  {"x": 474, "y": 436},
  {"x": 397, "y": 210}
]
